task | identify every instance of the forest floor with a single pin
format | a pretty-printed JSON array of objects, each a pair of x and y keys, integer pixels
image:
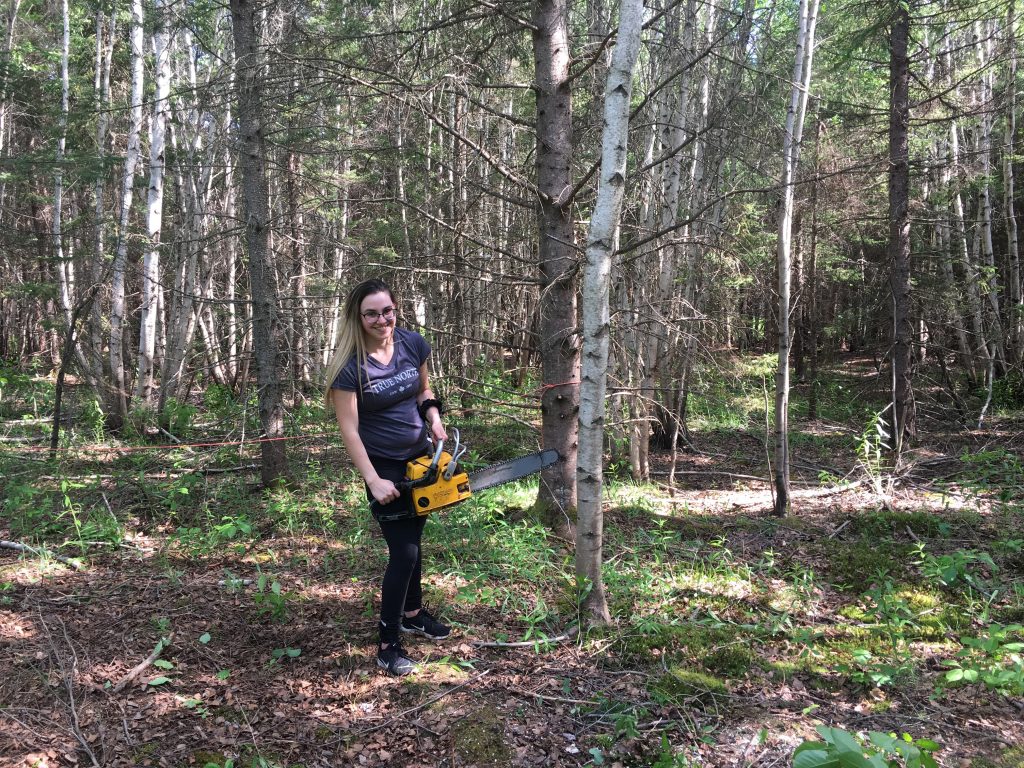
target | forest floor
[{"x": 196, "y": 621}]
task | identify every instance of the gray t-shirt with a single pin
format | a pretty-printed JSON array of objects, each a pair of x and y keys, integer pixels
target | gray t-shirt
[{"x": 390, "y": 425}]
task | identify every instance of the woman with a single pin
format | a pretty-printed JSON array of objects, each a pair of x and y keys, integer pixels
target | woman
[{"x": 378, "y": 387}]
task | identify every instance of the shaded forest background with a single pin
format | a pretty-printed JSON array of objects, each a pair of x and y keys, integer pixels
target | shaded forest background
[{"x": 400, "y": 141}]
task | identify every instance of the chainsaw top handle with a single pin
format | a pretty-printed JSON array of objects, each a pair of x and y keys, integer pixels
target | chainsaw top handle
[{"x": 428, "y": 478}]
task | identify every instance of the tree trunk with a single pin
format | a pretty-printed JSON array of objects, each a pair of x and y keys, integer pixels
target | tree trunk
[
  {"x": 790, "y": 162},
  {"x": 101, "y": 84},
  {"x": 151, "y": 280},
  {"x": 996, "y": 337},
  {"x": 601, "y": 244},
  {"x": 903, "y": 419},
  {"x": 5, "y": 62},
  {"x": 812, "y": 284},
  {"x": 559, "y": 350},
  {"x": 118, "y": 411},
  {"x": 248, "y": 82},
  {"x": 1016, "y": 330},
  {"x": 64, "y": 265}
]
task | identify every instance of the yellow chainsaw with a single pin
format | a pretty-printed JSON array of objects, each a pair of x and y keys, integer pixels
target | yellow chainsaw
[{"x": 438, "y": 481}]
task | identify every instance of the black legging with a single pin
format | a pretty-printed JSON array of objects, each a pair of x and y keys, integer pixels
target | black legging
[{"x": 401, "y": 590}]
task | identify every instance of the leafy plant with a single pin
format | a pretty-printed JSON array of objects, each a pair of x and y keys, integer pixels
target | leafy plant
[
  {"x": 841, "y": 749},
  {"x": 177, "y": 416},
  {"x": 281, "y": 654},
  {"x": 866, "y": 669},
  {"x": 270, "y": 598},
  {"x": 954, "y": 568},
  {"x": 993, "y": 659},
  {"x": 871, "y": 445},
  {"x": 890, "y": 609},
  {"x": 232, "y": 527}
]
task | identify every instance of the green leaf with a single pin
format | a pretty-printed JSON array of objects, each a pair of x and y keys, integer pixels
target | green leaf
[
  {"x": 810, "y": 745},
  {"x": 882, "y": 740},
  {"x": 854, "y": 760},
  {"x": 204, "y": 638},
  {"x": 224, "y": 674},
  {"x": 843, "y": 741},
  {"x": 159, "y": 681},
  {"x": 163, "y": 664},
  {"x": 814, "y": 758}
]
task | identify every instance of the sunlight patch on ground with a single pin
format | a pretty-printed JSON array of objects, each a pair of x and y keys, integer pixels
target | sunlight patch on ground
[
  {"x": 784, "y": 597},
  {"x": 14, "y": 630},
  {"x": 718, "y": 584}
]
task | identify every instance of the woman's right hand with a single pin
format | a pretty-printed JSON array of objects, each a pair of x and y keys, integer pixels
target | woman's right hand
[{"x": 383, "y": 490}]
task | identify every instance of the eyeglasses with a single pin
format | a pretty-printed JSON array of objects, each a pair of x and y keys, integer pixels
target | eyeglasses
[{"x": 373, "y": 315}]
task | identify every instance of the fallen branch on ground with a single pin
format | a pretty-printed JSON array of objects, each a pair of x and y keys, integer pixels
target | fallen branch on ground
[
  {"x": 19, "y": 547},
  {"x": 522, "y": 643},
  {"x": 143, "y": 665}
]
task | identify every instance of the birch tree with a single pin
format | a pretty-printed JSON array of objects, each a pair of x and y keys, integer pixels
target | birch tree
[
  {"x": 791, "y": 140},
  {"x": 105, "y": 34},
  {"x": 602, "y": 241},
  {"x": 151, "y": 281},
  {"x": 118, "y": 412},
  {"x": 65, "y": 268}
]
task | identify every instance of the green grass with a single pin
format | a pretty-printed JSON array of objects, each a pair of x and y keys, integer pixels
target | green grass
[{"x": 704, "y": 602}]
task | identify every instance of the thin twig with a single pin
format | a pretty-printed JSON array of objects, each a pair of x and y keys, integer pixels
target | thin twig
[
  {"x": 521, "y": 643},
  {"x": 221, "y": 470},
  {"x": 23, "y": 724},
  {"x": 837, "y": 530},
  {"x": 69, "y": 684},
  {"x": 143, "y": 665},
  {"x": 556, "y": 699},
  {"x": 20, "y": 547},
  {"x": 169, "y": 435}
]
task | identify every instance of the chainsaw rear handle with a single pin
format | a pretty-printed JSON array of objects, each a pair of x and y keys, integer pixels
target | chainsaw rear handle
[{"x": 404, "y": 488}]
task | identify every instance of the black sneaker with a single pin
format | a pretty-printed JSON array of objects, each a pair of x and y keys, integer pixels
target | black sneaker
[
  {"x": 394, "y": 660},
  {"x": 425, "y": 625}
]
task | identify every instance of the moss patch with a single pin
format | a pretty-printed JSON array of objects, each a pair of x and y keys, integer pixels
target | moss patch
[
  {"x": 479, "y": 739},
  {"x": 729, "y": 661},
  {"x": 854, "y": 566},
  {"x": 683, "y": 685}
]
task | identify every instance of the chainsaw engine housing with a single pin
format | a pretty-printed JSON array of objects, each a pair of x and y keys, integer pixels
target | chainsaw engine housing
[{"x": 442, "y": 492}]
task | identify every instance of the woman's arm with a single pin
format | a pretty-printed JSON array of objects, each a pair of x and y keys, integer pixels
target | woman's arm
[
  {"x": 433, "y": 415},
  {"x": 346, "y": 409}
]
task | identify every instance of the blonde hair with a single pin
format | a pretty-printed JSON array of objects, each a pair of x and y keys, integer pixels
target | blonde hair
[{"x": 350, "y": 333}]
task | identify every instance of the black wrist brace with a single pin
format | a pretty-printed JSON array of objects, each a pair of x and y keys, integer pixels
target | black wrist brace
[{"x": 432, "y": 403}]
